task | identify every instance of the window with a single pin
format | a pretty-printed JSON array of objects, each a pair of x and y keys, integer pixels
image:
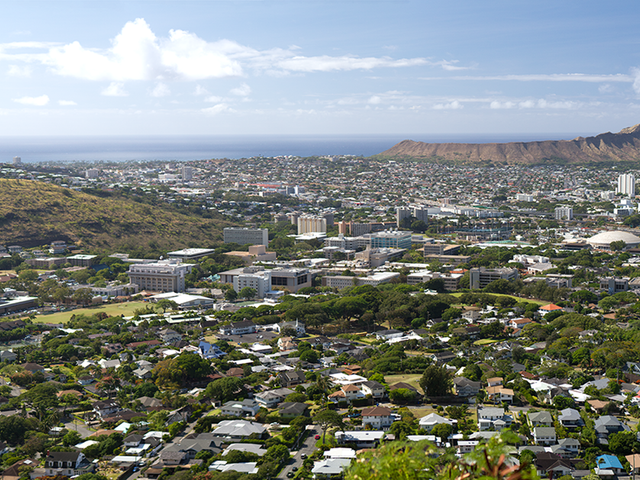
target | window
[
  {"x": 279, "y": 281},
  {"x": 302, "y": 279}
]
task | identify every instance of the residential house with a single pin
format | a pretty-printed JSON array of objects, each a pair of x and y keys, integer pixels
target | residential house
[
  {"x": 389, "y": 334},
  {"x": 240, "y": 429},
  {"x": 248, "y": 407},
  {"x": 170, "y": 336},
  {"x": 500, "y": 394},
  {"x": 105, "y": 408},
  {"x": 68, "y": 464},
  {"x": 361, "y": 439},
  {"x": 296, "y": 325},
  {"x": 552, "y": 465},
  {"x": 605, "y": 425},
  {"x": 291, "y": 378},
  {"x": 8, "y": 356},
  {"x": 379, "y": 418},
  {"x": 210, "y": 351},
  {"x": 609, "y": 465},
  {"x": 373, "y": 388},
  {"x": 347, "y": 393},
  {"x": 271, "y": 398},
  {"x": 291, "y": 410},
  {"x": 433, "y": 419},
  {"x": 239, "y": 328},
  {"x": 570, "y": 447},
  {"x": 463, "y": 387},
  {"x": 540, "y": 419},
  {"x": 493, "y": 418},
  {"x": 544, "y": 435}
]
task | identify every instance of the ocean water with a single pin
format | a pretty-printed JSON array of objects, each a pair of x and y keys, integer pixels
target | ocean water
[{"x": 202, "y": 147}]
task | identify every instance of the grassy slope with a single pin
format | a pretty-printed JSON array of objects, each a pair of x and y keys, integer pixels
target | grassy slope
[
  {"x": 113, "y": 310},
  {"x": 35, "y": 213}
]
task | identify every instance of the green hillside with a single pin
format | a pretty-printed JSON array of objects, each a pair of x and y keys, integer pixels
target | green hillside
[{"x": 35, "y": 213}]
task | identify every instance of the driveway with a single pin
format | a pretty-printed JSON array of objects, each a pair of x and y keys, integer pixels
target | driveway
[{"x": 307, "y": 447}]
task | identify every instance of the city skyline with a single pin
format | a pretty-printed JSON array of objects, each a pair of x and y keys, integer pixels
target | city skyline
[{"x": 265, "y": 67}]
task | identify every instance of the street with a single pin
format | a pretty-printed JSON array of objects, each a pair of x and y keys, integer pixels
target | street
[{"x": 307, "y": 447}]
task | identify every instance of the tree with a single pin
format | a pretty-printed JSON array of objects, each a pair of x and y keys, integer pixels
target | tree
[
  {"x": 247, "y": 293},
  {"x": 436, "y": 381},
  {"x": 230, "y": 295},
  {"x": 71, "y": 438},
  {"x": 402, "y": 395},
  {"x": 224, "y": 389},
  {"x": 166, "y": 304},
  {"x": 623, "y": 443},
  {"x": 442, "y": 430},
  {"x": 327, "y": 419},
  {"x": 618, "y": 245}
]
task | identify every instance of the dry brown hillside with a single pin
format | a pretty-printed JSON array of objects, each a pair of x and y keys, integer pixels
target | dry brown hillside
[
  {"x": 35, "y": 213},
  {"x": 623, "y": 146}
]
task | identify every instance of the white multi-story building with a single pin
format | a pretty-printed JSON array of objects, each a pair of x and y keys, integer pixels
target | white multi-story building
[
  {"x": 187, "y": 174},
  {"x": 311, "y": 223},
  {"x": 417, "y": 212},
  {"x": 627, "y": 184},
  {"x": 564, "y": 213},
  {"x": 524, "y": 197},
  {"x": 481, "y": 277},
  {"x": 260, "y": 281},
  {"x": 242, "y": 236},
  {"x": 92, "y": 173},
  {"x": 17, "y": 161},
  {"x": 163, "y": 276}
]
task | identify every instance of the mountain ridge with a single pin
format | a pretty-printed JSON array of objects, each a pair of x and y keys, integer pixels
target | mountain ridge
[{"x": 623, "y": 146}]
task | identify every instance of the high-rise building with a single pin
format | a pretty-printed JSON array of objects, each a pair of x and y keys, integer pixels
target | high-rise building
[
  {"x": 419, "y": 213},
  {"x": 311, "y": 223},
  {"x": 242, "y": 236},
  {"x": 187, "y": 174},
  {"x": 92, "y": 173},
  {"x": 564, "y": 213},
  {"x": 17, "y": 161},
  {"x": 627, "y": 184}
]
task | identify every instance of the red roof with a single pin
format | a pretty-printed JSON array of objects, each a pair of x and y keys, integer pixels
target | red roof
[{"x": 550, "y": 307}]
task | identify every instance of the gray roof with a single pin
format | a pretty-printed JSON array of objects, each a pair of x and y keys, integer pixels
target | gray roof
[
  {"x": 541, "y": 417},
  {"x": 238, "y": 428}
]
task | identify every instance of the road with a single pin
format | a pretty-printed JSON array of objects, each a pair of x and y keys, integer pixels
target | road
[{"x": 307, "y": 447}]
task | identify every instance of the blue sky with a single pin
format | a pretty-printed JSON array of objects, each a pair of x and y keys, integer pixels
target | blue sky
[{"x": 330, "y": 67}]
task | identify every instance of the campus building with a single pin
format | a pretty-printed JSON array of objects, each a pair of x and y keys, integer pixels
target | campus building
[{"x": 242, "y": 236}]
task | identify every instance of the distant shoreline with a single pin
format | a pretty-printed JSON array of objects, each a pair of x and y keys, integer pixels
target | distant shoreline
[{"x": 122, "y": 148}]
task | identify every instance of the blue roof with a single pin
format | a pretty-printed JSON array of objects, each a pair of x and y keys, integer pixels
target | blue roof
[{"x": 606, "y": 462}]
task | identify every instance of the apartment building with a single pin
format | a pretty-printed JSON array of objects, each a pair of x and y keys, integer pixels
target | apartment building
[
  {"x": 242, "y": 236},
  {"x": 163, "y": 276},
  {"x": 311, "y": 223}
]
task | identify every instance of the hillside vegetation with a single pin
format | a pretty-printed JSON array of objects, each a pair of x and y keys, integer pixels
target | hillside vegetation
[
  {"x": 623, "y": 146},
  {"x": 35, "y": 213}
]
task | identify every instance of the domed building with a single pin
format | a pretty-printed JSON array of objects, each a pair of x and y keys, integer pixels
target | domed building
[{"x": 604, "y": 239}]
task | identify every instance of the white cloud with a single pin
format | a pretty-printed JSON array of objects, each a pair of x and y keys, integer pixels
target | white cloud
[
  {"x": 213, "y": 99},
  {"x": 115, "y": 89},
  {"x": 18, "y": 71},
  {"x": 606, "y": 88},
  {"x": 242, "y": 91},
  {"x": 200, "y": 91},
  {"x": 216, "y": 109},
  {"x": 66, "y": 103},
  {"x": 136, "y": 53},
  {"x": 501, "y": 105},
  {"x": 555, "y": 77},
  {"x": 160, "y": 90},
  {"x": 374, "y": 100},
  {"x": 636, "y": 79},
  {"x": 454, "y": 105},
  {"x": 40, "y": 101}
]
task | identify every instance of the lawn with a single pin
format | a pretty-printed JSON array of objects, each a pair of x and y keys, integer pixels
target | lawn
[
  {"x": 412, "y": 379},
  {"x": 519, "y": 299},
  {"x": 113, "y": 309},
  {"x": 485, "y": 341}
]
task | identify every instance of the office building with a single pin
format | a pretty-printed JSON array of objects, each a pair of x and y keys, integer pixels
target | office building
[
  {"x": 162, "y": 276},
  {"x": 291, "y": 279},
  {"x": 481, "y": 277},
  {"x": 17, "y": 161},
  {"x": 390, "y": 239},
  {"x": 311, "y": 223},
  {"x": 564, "y": 213},
  {"x": 627, "y": 184},
  {"x": 242, "y": 236}
]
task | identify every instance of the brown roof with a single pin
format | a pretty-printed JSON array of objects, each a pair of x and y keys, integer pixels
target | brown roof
[{"x": 376, "y": 412}]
